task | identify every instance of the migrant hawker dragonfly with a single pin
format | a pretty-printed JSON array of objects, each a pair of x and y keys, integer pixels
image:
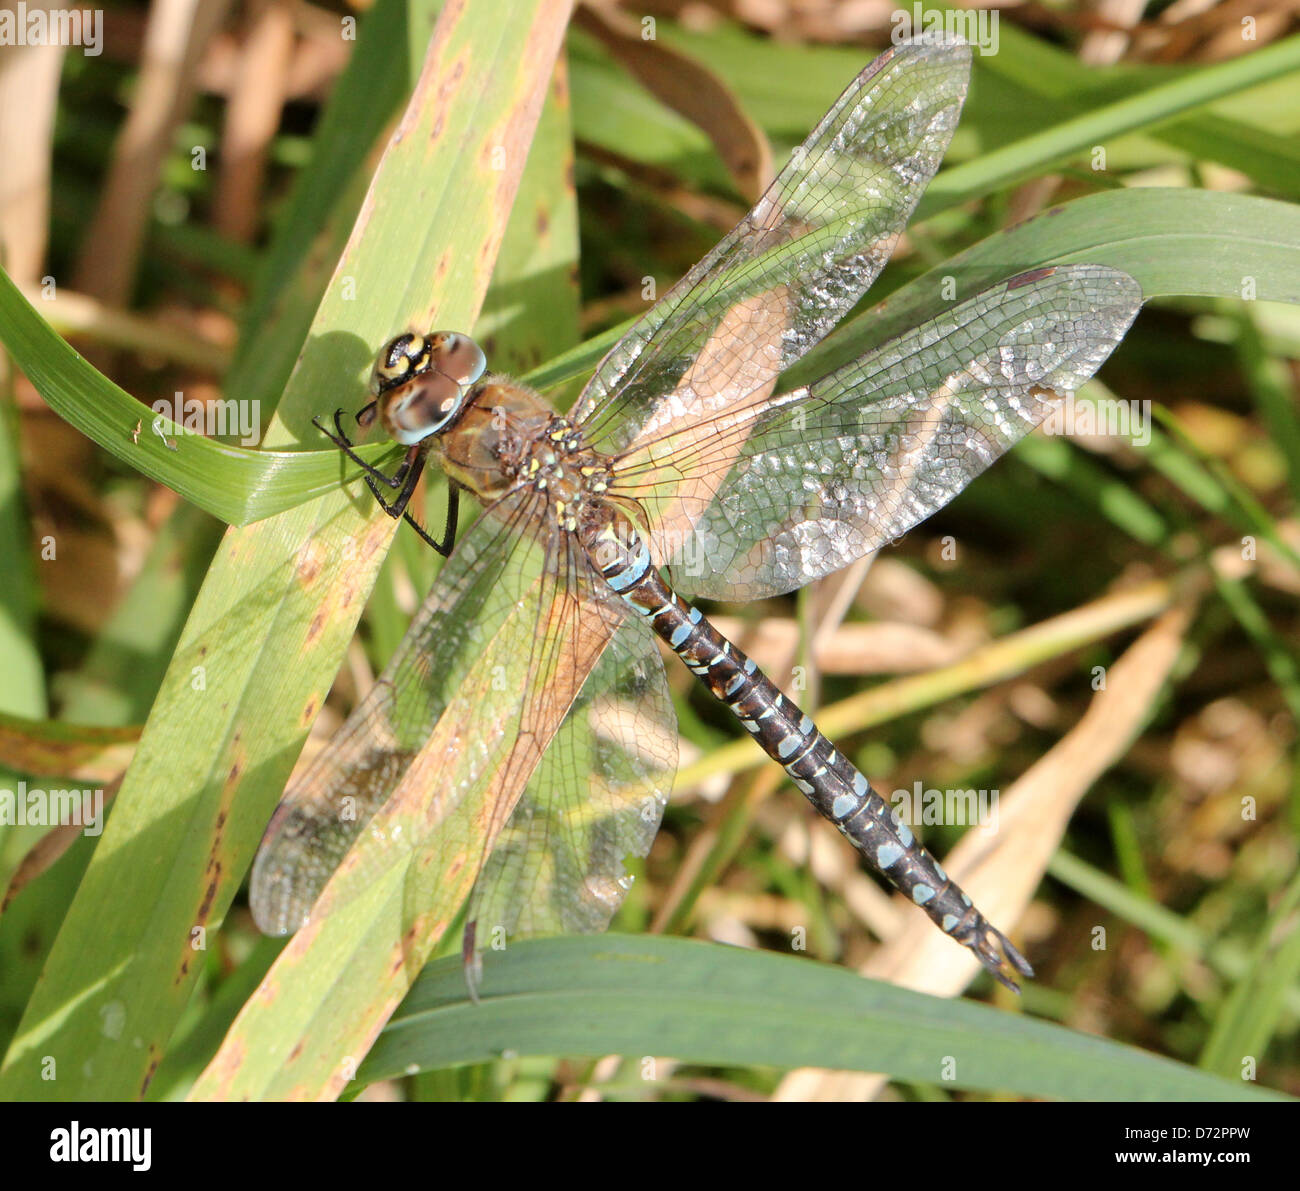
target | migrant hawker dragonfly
[{"x": 682, "y": 455}]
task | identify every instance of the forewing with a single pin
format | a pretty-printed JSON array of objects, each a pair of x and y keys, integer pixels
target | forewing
[
  {"x": 790, "y": 269},
  {"x": 433, "y": 760},
  {"x": 598, "y": 794},
  {"x": 829, "y": 472}
]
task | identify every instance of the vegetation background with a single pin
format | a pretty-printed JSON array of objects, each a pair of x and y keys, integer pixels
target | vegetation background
[{"x": 1102, "y": 629}]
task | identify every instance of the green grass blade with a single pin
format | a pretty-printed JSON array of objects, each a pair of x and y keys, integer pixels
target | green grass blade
[
  {"x": 1175, "y": 242},
  {"x": 701, "y": 1003},
  {"x": 317, "y": 218},
  {"x": 335, "y": 989},
  {"x": 1254, "y": 1011},
  {"x": 1076, "y": 136},
  {"x": 233, "y": 483},
  {"x": 264, "y": 639}
]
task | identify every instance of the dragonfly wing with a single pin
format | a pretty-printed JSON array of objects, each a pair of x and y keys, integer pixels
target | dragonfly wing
[
  {"x": 434, "y": 758},
  {"x": 595, "y": 799},
  {"x": 827, "y": 473},
  {"x": 796, "y": 263}
]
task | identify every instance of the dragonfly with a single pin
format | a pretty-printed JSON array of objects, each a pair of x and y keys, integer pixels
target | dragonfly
[{"x": 683, "y": 471}]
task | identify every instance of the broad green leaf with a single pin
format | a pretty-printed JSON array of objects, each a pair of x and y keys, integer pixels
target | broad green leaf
[
  {"x": 725, "y": 1006},
  {"x": 280, "y": 602},
  {"x": 333, "y": 988}
]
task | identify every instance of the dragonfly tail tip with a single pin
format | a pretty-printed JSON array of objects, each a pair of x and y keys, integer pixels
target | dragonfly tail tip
[{"x": 998, "y": 954}]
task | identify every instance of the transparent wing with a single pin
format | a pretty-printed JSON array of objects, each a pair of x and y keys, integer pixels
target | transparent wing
[
  {"x": 597, "y": 795},
  {"x": 790, "y": 269},
  {"x": 433, "y": 760},
  {"x": 820, "y": 476},
  {"x": 325, "y": 810}
]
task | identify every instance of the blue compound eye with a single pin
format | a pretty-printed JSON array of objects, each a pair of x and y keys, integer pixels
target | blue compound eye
[
  {"x": 457, "y": 356},
  {"x": 427, "y": 404}
]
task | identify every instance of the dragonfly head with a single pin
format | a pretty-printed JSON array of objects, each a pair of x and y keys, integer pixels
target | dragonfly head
[{"x": 421, "y": 382}]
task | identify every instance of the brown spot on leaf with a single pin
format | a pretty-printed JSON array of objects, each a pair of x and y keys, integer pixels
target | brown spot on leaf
[
  {"x": 210, "y": 894},
  {"x": 451, "y": 78},
  {"x": 314, "y": 629},
  {"x": 149, "y": 1073},
  {"x": 311, "y": 561}
]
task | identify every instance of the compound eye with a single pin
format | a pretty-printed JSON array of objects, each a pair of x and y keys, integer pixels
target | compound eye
[
  {"x": 426, "y": 405},
  {"x": 457, "y": 356},
  {"x": 401, "y": 358}
]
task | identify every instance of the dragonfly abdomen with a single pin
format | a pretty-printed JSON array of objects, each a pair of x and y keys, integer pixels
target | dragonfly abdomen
[{"x": 833, "y": 785}]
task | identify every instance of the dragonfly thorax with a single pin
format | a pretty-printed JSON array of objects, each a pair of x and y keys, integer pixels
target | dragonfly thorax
[
  {"x": 507, "y": 437},
  {"x": 572, "y": 477}
]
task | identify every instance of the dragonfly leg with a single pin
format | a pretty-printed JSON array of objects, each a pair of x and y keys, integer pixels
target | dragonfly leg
[
  {"x": 348, "y": 447},
  {"x": 413, "y": 468},
  {"x": 406, "y": 477},
  {"x": 449, "y": 528},
  {"x": 398, "y": 507}
]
